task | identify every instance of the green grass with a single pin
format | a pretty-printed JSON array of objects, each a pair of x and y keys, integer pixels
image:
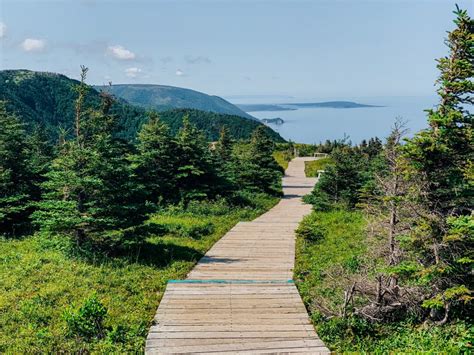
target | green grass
[
  {"x": 327, "y": 241},
  {"x": 330, "y": 247},
  {"x": 40, "y": 279},
  {"x": 282, "y": 158},
  {"x": 312, "y": 167}
]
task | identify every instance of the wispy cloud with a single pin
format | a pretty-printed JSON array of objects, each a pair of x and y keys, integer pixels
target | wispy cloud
[
  {"x": 132, "y": 72},
  {"x": 3, "y": 29},
  {"x": 120, "y": 52},
  {"x": 179, "y": 72},
  {"x": 197, "y": 59},
  {"x": 33, "y": 45}
]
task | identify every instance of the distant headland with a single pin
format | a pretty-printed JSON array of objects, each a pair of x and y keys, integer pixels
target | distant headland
[{"x": 296, "y": 106}]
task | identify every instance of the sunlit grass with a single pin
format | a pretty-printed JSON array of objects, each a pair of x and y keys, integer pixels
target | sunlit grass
[
  {"x": 312, "y": 167},
  {"x": 40, "y": 279}
]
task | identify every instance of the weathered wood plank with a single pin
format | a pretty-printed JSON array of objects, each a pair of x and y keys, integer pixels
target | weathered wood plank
[{"x": 238, "y": 298}]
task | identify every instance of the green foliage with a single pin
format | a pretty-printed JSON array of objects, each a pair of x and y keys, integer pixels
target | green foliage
[
  {"x": 88, "y": 320},
  {"x": 196, "y": 175},
  {"x": 48, "y": 100},
  {"x": 326, "y": 241},
  {"x": 163, "y": 98},
  {"x": 90, "y": 189},
  {"x": 17, "y": 174},
  {"x": 211, "y": 124},
  {"x": 42, "y": 276},
  {"x": 322, "y": 269},
  {"x": 441, "y": 156},
  {"x": 256, "y": 168},
  {"x": 312, "y": 167},
  {"x": 282, "y": 158},
  {"x": 357, "y": 335},
  {"x": 349, "y": 174},
  {"x": 156, "y": 159}
]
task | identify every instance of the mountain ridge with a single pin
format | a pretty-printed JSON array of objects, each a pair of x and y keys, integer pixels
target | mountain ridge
[
  {"x": 46, "y": 99},
  {"x": 165, "y": 97}
]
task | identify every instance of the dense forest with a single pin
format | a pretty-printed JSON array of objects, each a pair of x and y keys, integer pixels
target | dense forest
[
  {"x": 385, "y": 261},
  {"x": 46, "y": 100}
]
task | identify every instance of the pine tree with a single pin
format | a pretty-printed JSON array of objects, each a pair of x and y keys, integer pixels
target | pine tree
[
  {"x": 16, "y": 174},
  {"x": 156, "y": 160},
  {"x": 442, "y": 156}
]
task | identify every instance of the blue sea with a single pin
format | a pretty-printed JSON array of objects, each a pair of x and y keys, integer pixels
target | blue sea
[{"x": 314, "y": 125}]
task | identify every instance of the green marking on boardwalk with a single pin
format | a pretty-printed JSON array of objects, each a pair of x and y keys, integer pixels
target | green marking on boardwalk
[{"x": 231, "y": 281}]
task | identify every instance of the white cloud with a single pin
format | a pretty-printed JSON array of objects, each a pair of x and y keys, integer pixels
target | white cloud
[
  {"x": 179, "y": 72},
  {"x": 120, "y": 52},
  {"x": 33, "y": 45},
  {"x": 3, "y": 29},
  {"x": 132, "y": 72}
]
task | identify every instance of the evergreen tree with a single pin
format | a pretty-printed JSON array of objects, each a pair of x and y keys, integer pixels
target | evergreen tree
[
  {"x": 91, "y": 193},
  {"x": 224, "y": 145},
  {"x": 196, "y": 175},
  {"x": 442, "y": 157},
  {"x": 156, "y": 160},
  {"x": 258, "y": 170},
  {"x": 225, "y": 162},
  {"x": 16, "y": 174}
]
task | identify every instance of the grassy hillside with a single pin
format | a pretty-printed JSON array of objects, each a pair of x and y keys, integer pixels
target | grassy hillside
[
  {"x": 162, "y": 98},
  {"x": 47, "y": 99},
  {"x": 42, "y": 282}
]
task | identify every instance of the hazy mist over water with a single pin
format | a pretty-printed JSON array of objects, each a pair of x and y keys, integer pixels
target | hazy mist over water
[{"x": 313, "y": 125}]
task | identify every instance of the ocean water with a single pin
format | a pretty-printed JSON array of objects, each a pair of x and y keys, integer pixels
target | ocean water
[{"x": 314, "y": 125}]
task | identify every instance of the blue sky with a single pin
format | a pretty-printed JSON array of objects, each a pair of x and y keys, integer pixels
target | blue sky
[{"x": 319, "y": 49}]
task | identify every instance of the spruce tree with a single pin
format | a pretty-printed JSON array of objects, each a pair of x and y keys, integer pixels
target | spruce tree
[
  {"x": 442, "y": 157},
  {"x": 196, "y": 176},
  {"x": 155, "y": 162},
  {"x": 259, "y": 171},
  {"x": 16, "y": 174},
  {"x": 225, "y": 162},
  {"x": 91, "y": 193}
]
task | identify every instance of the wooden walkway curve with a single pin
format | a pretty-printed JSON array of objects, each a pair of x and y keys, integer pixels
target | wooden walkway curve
[{"x": 240, "y": 297}]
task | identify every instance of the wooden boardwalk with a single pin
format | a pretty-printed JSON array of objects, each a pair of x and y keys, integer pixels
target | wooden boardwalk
[{"x": 240, "y": 297}]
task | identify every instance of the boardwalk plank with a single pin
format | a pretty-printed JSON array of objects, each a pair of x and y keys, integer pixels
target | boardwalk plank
[{"x": 238, "y": 298}]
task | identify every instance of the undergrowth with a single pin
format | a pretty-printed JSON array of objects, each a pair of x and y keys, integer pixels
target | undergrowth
[{"x": 330, "y": 246}]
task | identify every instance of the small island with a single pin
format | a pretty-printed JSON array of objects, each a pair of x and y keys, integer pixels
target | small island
[{"x": 276, "y": 121}]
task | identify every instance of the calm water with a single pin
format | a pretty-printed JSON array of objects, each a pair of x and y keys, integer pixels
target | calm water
[{"x": 313, "y": 125}]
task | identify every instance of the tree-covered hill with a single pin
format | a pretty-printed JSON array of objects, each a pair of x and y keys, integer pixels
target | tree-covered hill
[
  {"x": 47, "y": 100},
  {"x": 211, "y": 123},
  {"x": 162, "y": 98}
]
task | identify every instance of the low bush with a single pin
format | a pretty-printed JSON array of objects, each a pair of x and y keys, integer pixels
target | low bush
[{"x": 88, "y": 320}]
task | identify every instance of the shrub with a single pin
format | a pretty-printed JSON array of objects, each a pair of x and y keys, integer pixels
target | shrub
[
  {"x": 310, "y": 230},
  {"x": 87, "y": 321}
]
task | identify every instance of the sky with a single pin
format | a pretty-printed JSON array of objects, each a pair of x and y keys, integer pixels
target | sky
[{"x": 235, "y": 48}]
